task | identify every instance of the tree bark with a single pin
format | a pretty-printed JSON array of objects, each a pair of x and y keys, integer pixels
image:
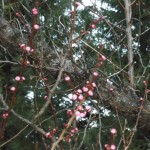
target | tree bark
[{"x": 128, "y": 14}]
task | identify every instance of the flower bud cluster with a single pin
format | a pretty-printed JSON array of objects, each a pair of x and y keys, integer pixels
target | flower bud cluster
[
  {"x": 4, "y": 115},
  {"x": 51, "y": 133},
  {"x": 71, "y": 134},
  {"x": 26, "y": 48},
  {"x": 20, "y": 78},
  {"x": 112, "y": 146},
  {"x": 81, "y": 112}
]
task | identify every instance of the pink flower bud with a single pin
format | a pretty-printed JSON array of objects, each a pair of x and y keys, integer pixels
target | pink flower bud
[
  {"x": 67, "y": 78},
  {"x": 102, "y": 58},
  {"x": 45, "y": 97},
  {"x": 74, "y": 97},
  {"x": 107, "y": 147},
  {"x": 17, "y": 78},
  {"x": 76, "y": 129},
  {"x": 141, "y": 99},
  {"x": 87, "y": 82},
  {"x": 5, "y": 115},
  {"x": 80, "y": 107},
  {"x": 145, "y": 82},
  {"x": 23, "y": 78},
  {"x": 34, "y": 11},
  {"x": 49, "y": 135},
  {"x": 90, "y": 93},
  {"x": 27, "y": 26},
  {"x": 18, "y": 14},
  {"x": 113, "y": 131},
  {"x": 93, "y": 26},
  {"x": 73, "y": 131},
  {"x": 95, "y": 73},
  {"x": 45, "y": 79},
  {"x": 65, "y": 125},
  {"x": 27, "y": 62},
  {"x": 69, "y": 112},
  {"x": 79, "y": 91},
  {"x": 80, "y": 97},
  {"x": 32, "y": 50},
  {"x": 112, "y": 147},
  {"x": 13, "y": 89},
  {"x": 88, "y": 108},
  {"x": 111, "y": 89},
  {"x": 93, "y": 84},
  {"x": 27, "y": 48},
  {"x": 36, "y": 27},
  {"x": 83, "y": 114},
  {"x": 85, "y": 89},
  {"x": 68, "y": 140},
  {"x": 77, "y": 113},
  {"x": 22, "y": 46}
]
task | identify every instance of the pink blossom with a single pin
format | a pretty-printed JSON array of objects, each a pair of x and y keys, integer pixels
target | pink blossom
[
  {"x": 87, "y": 82},
  {"x": 45, "y": 79},
  {"x": 69, "y": 112},
  {"x": 113, "y": 131},
  {"x": 12, "y": 88},
  {"x": 18, "y": 14},
  {"x": 34, "y": 11},
  {"x": 17, "y": 78},
  {"x": 49, "y": 135},
  {"x": 27, "y": 62},
  {"x": 102, "y": 58},
  {"x": 107, "y": 147},
  {"x": 145, "y": 82},
  {"x": 27, "y": 26},
  {"x": 27, "y": 48},
  {"x": 93, "y": 26},
  {"x": 68, "y": 140},
  {"x": 45, "y": 97},
  {"x": 88, "y": 108},
  {"x": 95, "y": 73},
  {"x": 111, "y": 89},
  {"x": 79, "y": 91},
  {"x": 85, "y": 89},
  {"x": 5, "y": 115},
  {"x": 77, "y": 113},
  {"x": 76, "y": 129},
  {"x": 74, "y": 97},
  {"x": 67, "y": 78},
  {"x": 36, "y": 27},
  {"x": 83, "y": 114},
  {"x": 22, "y": 45},
  {"x": 90, "y": 93},
  {"x": 80, "y": 97},
  {"x": 80, "y": 107},
  {"x": 73, "y": 131},
  {"x": 93, "y": 84},
  {"x": 32, "y": 50},
  {"x": 141, "y": 99},
  {"x": 112, "y": 147},
  {"x": 23, "y": 78}
]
